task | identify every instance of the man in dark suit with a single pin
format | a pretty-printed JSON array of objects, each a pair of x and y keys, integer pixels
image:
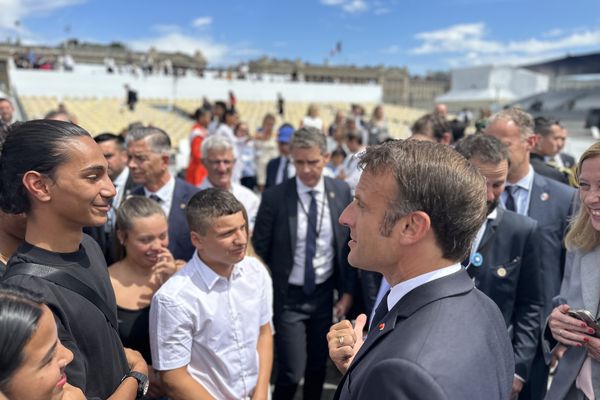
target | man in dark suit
[
  {"x": 545, "y": 200},
  {"x": 297, "y": 235},
  {"x": 417, "y": 208},
  {"x": 281, "y": 168},
  {"x": 115, "y": 152},
  {"x": 505, "y": 256},
  {"x": 148, "y": 150},
  {"x": 548, "y": 132}
]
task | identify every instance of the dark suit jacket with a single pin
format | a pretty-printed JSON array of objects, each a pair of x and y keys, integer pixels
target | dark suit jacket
[
  {"x": 108, "y": 242},
  {"x": 551, "y": 204},
  {"x": 511, "y": 275},
  {"x": 443, "y": 340},
  {"x": 568, "y": 160},
  {"x": 540, "y": 167},
  {"x": 272, "y": 167},
  {"x": 274, "y": 236},
  {"x": 180, "y": 244}
]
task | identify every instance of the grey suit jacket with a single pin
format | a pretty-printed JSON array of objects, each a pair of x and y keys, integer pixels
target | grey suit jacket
[
  {"x": 443, "y": 340},
  {"x": 580, "y": 289},
  {"x": 551, "y": 205}
]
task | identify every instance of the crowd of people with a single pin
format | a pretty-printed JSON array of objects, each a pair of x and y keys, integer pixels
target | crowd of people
[{"x": 442, "y": 266}]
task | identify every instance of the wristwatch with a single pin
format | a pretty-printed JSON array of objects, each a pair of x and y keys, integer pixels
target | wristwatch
[{"x": 142, "y": 381}]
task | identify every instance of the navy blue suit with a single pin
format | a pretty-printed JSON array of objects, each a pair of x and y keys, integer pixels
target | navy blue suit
[
  {"x": 272, "y": 168},
  {"x": 511, "y": 275},
  {"x": 180, "y": 244},
  {"x": 442, "y": 340},
  {"x": 301, "y": 321}
]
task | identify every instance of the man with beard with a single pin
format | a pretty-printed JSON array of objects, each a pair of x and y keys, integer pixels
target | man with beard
[{"x": 505, "y": 259}]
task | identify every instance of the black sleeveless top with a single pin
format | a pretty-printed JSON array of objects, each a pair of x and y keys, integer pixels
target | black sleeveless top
[{"x": 134, "y": 330}]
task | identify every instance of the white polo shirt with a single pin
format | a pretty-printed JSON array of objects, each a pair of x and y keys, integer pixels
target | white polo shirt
[{"x": 211, "y": 324}]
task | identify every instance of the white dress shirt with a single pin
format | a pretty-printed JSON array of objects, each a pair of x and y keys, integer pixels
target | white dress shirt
[
  {"x": 165, "y": 194},
  {"x": 247, "y": 197},
  {"x": 523, "y": 193},
  {"x": 211, "y": 325},
  {"x": 120, "y": 182},
  {"x": 323, "y": 261},
  {"x": 403, "y": 288}
]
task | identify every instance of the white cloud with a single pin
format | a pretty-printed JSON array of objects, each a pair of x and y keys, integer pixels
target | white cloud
[
  {"x": 216, "y": 53},
  {"x": 468, "y": 44},
  {"x": 349, "y": 6},
  {"x": 202, "y": 22},
  {"x": 175, "y": 41},
  {"x": 355, "y": 6}
]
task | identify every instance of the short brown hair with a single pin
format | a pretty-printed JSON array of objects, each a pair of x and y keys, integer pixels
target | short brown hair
[
  {"x": 435, "y": 179},
  {"x": 209, "y": 204}
]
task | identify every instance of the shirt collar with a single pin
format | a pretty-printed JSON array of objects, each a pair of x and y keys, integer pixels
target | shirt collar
[
  {"x": 403, "y": 288},
  {"x": 165, "y": 192},
  {"x": 210, "y": 277},
  {"x": 303, "y": 189},
  {"x": 493, "y": 214},
  {"x": 526, "y": 181},
  {"x": 207, "y": 184},
  {"x": 122, "y": 178}
]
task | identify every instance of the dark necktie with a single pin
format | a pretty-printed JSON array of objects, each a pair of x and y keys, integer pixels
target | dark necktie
[
  {"x": 286, "y": 170},
  {"x": 311, "y": 246},
  {"x": 155, "y": 198},
  {"x": 380, "y": 312},
  {"x": 509, "y": 203}
]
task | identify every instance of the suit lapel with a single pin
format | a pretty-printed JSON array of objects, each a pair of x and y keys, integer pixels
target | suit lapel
[
  {"x": 490, "y": 229},
  {"x": 451, "y": 285},
  {"x": 590, "y": 276},
  {"x": 335, "y": 208},
  {"x": 538, "y": 207},
  {"x": 291, "y": 199}
]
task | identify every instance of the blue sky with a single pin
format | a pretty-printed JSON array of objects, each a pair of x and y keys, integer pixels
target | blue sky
[{"x": 420, "y": 34}]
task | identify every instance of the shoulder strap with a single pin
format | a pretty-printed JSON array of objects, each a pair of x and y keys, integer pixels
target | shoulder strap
[{"x": 66, "y": 280}]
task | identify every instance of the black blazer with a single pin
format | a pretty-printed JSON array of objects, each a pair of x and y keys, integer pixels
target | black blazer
[
  {"x": 551, "y": 204},
  {"x": 511, "y": 275},
  {"x": 568, "y": 160},
  {"x": 272, "y": 168},
  {"x": 274, "y": 236},
  {"x": 540, "y": 167},
  {"x": 180, "y": 244},
  {"x": 442, "y": 340}
]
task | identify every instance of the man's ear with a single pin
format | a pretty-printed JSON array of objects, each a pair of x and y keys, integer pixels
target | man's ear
[
  {"x": 414, "y": 227},
  {"x": 532, "y": 140},
  {"x": 197, "y": 240},
  {"x": 446, "y": 138},
  {"x": 165, "y": 160},
  {"x": 38, "y": 185}
]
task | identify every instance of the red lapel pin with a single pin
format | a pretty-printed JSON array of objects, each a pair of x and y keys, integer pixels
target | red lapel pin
[{"x": 381, "y": 326}]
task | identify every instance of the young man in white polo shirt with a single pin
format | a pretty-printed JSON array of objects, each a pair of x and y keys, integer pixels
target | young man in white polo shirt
[{"x": 210, "y": 323}]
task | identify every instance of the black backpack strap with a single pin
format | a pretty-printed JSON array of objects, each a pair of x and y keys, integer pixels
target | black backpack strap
[{"x": 66, "y": 280}]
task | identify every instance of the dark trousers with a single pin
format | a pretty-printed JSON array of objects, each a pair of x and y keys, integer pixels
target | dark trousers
[
  {"x": 301, "y": 341},
  {"x": 537, "y": 384}
]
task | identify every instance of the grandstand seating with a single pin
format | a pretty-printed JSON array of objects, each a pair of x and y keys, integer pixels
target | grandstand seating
[{"x": 110, "y": 115}]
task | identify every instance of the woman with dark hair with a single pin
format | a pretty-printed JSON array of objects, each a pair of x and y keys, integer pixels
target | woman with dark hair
[
  {"x": 55, "y": 173},
  {"x": 142, "y": 232},
  {"x": 32, "y": 358}
]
